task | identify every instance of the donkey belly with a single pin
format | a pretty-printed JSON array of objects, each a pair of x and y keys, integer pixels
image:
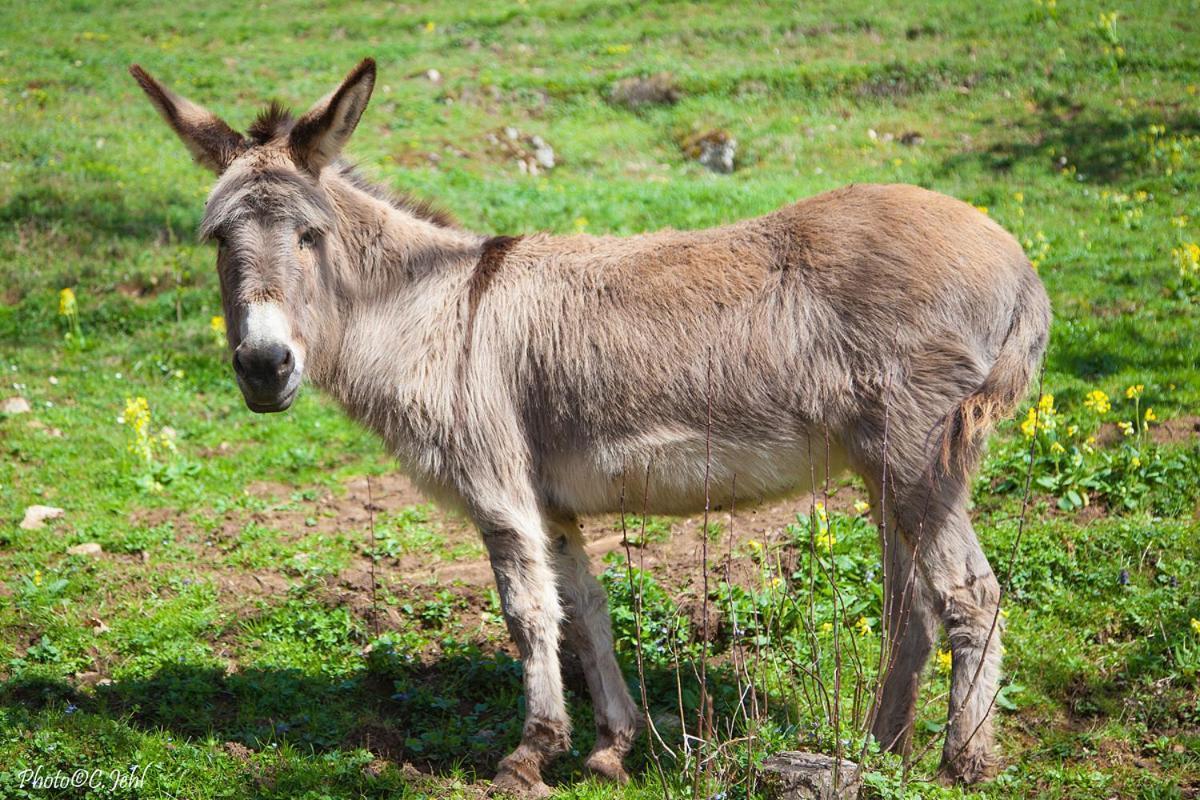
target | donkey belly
[{"x": 664, "y": 472}]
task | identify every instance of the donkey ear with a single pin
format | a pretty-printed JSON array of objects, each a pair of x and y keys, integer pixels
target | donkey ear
[
  {"x": 212, "y": 142},
  {"x": 318, "y": 137}
]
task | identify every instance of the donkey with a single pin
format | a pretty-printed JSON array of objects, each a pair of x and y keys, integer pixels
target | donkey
[{"x": 527, "y": 380}]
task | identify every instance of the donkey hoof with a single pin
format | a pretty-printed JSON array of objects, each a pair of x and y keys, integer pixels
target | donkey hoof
[
  {"x": 606, "y": 765},
  {"x": 519, "y": 781}
]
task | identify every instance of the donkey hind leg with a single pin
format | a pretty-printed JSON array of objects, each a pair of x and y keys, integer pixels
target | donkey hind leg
[
  {"x": 588, "y": 632},
  {"x": 910, "y": 627},
  {"x": 517, "y": 547},
  {"x": 965, "y": 594}
]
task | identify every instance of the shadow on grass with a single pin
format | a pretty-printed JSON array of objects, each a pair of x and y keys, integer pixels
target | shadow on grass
[
  {"x": 1102, "y": 146},
  {"x": 462, "y": 711},
  {"x": 99, "y": 212}
]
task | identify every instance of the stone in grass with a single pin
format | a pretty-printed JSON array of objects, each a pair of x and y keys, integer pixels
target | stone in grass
[
  {"x": 15, "y": 405},
  {"x": 809, "y": 776},
  {"x": 86, "y": 549},
  {"x": 715, "y": 149},
  {"x": 36, "y": 516},
  {"x": 653, "y": 90}
]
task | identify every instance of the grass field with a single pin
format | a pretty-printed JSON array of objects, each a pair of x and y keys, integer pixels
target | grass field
[{"x": 262, "y": 621}]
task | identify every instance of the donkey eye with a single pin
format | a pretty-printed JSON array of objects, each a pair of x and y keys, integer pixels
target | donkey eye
[{"x": 307, "y": 238}]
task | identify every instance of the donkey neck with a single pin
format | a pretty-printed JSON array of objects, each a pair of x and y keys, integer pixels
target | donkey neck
[
  {"x": 384, "y": 242},
  {"x": 391, "y": 306}
]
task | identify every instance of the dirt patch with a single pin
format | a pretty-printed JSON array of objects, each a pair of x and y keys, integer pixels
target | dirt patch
[
  {"x": 1179, "y": 430},
  {"x": 674, "y": 558},
  {"x": 353, "y": 507},
  {"x": 249, "y": 586}
]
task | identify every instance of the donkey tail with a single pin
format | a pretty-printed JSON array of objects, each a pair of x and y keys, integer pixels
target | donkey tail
[{"x": 1007, "y": 381}]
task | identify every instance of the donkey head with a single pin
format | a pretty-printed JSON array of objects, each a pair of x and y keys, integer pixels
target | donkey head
[{"x": 272, "y": 221}]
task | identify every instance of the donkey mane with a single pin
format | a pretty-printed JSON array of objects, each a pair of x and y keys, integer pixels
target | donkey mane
[
  {"x": 277, "y": 120},
  {"x": 272, "y": 122},
  {"x": 421, "y": 209}
]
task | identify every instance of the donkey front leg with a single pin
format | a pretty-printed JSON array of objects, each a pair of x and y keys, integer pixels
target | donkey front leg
[
  {"x": 589, "y": 634},
  {"x": 529, "y": 597}
]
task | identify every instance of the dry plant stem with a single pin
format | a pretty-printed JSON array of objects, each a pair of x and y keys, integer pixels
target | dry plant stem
[
  {"x": 374, "y": 556},
  {"x": 637, "y": 627},
  {"x": 888, "y": 650},
  {"x": 704, "y": 713}
]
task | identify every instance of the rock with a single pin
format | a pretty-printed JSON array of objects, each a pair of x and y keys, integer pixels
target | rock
[
  {"x": 543, "y": 153},
  {"x": 36, "y": 516},
  {"x": 809, "y": 776},
  {"x": 433, "y": 76},
  {"x": 655, "y": 90},
  {"x": 532, "y": 153},
  {"x": 86, "y": 549},
  {"x": 715, "y": 149},
  {"x": 15, "y": 405}
]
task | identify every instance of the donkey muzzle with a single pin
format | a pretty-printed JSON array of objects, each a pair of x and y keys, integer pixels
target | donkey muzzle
[{"x": 267, "y": 376}]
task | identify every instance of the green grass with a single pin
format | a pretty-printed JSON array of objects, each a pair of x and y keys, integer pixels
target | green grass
[{"x": 234, "y": 653}]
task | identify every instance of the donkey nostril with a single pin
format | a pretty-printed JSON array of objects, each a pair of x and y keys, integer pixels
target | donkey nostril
[
  {"x": 260, "y": 364},
  {"x": 239, "y": 361}
]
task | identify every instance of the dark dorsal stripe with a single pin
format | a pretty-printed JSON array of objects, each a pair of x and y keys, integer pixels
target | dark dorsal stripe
[{"x": 491, "y": 258}]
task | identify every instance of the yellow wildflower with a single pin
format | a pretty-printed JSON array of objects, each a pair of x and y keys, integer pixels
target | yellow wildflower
[
  {"x": 137, "y": 417},
  {"x": 1196, "y": 626},
  {"x": 1019, "y": 197},
  {"x": 863, "y": 625},
  {"x": 861, "y": 507},
  {"x": 1030, "y": 426},
  {"x": 1187, "y": 259},
  {"x": 66, "y": 302},
  {"x": 430, "y": 26},
  {"x": 944, "y": 661},
  {"x": 1126, "y": 428},
  {"x": 1097, "y": 401},
  {"x": 1046, "y": 404},
  {"x": 1150, "y": 416},
  {"x": 217, "y": 324},
  {"x": 581, "y": 224},
  {"x": 826, "y": 541},
  {"x": 37, "y": 579},
  {"x": 819, "y": 508},
  {"x": 982, "y": 209},
  {"x": 827, "y": 627},
  {"x": 1057, "y": 448},
  {"x": 1135, "y": 462},
  {"x": 1135, "y": 391}
]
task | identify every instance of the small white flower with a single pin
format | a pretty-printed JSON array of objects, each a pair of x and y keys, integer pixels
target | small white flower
[
  {"x": 49, "y": 404},
  {"x": 53, "y": 380},
  {"x": 118, "y": 375}
]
